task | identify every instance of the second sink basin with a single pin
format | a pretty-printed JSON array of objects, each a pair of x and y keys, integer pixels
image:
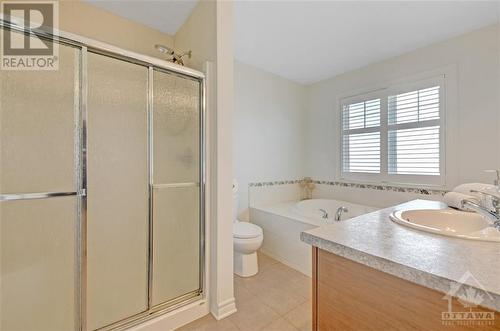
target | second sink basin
[{"x": 448, "y": 222}]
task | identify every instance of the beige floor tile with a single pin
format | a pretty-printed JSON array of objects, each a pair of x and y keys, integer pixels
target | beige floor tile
[
  {"x": 301, "y": 317},
  {"x": 281, "y": 298},
  {"x": 273, "y": 272},
  {"x": 240, "y": 292},
  {"x": 209, "y": 323},
  {"x": 265, "y": 261},
  {"x": 278, "y": 286},
  {"x": 238, "y": 280},
  {"x": 281, "y": 271},
  {"x": 279, "y": 325},
  {"x": 262, "y": 280},
  {"x": 303, "y": 286},
  {"x": 252, "y": 315},
  {"x": 277, "y": 298}
]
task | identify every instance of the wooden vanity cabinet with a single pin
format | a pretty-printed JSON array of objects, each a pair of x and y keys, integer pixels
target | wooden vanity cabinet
[{"x": 350, "y": 296}]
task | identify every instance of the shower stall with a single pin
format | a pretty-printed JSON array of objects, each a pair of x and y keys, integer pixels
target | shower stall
[{"x": 101, "y": 189}]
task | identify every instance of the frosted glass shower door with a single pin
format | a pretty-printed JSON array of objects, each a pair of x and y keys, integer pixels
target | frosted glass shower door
[
  {"x": 117, "y": 194},
  {"x": 37, "y": 236},
  {"x": 176, "y": 187}
]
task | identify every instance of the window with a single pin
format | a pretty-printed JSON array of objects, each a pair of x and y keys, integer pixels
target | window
[
  {"x": 361, "y": 138},
  {"x": 394, "y": 135}
]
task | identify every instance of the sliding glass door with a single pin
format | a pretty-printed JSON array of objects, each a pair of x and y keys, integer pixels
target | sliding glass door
[
  {"x": 117, "y": 193},
  {"x": 38, "y": 187},
  {"x": 101, "y": 192},
  {"x": 176, "y": 186}
]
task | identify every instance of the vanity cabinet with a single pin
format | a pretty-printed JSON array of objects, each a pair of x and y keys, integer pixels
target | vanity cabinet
[{"x": 350, "y": 296}]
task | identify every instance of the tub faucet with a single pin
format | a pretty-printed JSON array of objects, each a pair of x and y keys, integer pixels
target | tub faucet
[
  {"x": 325, "y": 213},
  {"x": 339, "y": 212}
]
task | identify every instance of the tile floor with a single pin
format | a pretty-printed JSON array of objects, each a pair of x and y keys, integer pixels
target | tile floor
[{"x": 277, "y": 298}]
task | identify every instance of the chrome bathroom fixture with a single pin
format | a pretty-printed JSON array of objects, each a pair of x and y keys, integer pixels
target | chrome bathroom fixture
[
  {"x": 324, "y": 213},
  {"x": 339, "y": 212},
  {"x": 490, "y": 211},
  {"x": 493, "y": 216},
  {"x": 175, "y": 57}
]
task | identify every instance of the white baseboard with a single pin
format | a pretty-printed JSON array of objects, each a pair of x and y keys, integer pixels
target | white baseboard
[{"x": 224, "y": 309}]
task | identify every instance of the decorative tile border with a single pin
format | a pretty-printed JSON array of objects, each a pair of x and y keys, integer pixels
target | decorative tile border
[
  {"x": 275, "y": 183},
  {"x": 384, "y": 187},
  {"x": 357, "y": 185}
]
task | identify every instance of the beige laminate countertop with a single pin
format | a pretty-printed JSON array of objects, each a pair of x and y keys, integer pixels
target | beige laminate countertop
[{"x": 430, "y": 260}]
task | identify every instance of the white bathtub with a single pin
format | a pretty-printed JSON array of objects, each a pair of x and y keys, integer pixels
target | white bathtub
[
  {"x": 282, "y": 224},
  {"x": 310, "y": 209}
]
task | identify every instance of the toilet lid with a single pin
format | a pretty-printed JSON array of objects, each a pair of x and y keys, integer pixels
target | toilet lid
[{"x": 245, "y": 230}]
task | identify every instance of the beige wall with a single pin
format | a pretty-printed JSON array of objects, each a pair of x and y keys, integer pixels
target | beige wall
[
  {"x": 88, "y": 21},
  {"x": 471, "y": 59},
  {"x": 208, "y": 33},
  {"x": 472, "y": 65},
  {"x": 95, "y": 23},
  {"x": 268, "y": 124},
  {"x": 199, "y": 35}
]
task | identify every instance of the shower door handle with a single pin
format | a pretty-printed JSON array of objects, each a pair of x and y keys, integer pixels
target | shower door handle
[
  {"x": 175, "y": 185},
  {"x": 39, "y": 195}
]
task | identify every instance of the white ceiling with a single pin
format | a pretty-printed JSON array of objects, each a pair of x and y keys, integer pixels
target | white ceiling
[
  {"x": 163, "y": 15},
  {"x": 308, "y": 41}
]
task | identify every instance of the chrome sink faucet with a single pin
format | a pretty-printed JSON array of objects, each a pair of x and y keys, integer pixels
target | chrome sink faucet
[
  {"x": 495, "y": 200},
  {"x": 492, "y": 215},
  {"x": 482, "y": 209}
]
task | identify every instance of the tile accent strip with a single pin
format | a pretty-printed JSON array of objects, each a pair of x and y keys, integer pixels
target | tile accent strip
[
  {"x": 380, "y": 187},
  {"x": 384, "y": 187},
  {"x": 278, "y": 182}
]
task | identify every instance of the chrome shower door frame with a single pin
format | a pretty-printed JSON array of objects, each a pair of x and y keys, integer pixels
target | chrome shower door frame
[{"x": 85, "y": 45}]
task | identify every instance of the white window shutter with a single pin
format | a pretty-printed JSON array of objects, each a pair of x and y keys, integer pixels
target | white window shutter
[
  {"x": 361, "y": 152},
  {"x": 361, "y": 137},
  {"x": 413, "y": 132},
  {"x": 394, "y": 135}
]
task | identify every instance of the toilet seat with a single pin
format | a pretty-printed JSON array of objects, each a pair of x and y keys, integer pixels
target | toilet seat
[{"x": 246, "y": 230}]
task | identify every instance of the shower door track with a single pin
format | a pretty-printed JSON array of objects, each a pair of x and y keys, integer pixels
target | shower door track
[{"x": 86, "y": 45}]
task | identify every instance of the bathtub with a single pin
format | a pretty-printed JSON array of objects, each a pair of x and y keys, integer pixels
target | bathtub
[
  {"x": 310, "y": 209},
  {"x": 282, "y": 224}
]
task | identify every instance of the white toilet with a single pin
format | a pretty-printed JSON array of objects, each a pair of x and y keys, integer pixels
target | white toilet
[{"x": 247, "y": 239}]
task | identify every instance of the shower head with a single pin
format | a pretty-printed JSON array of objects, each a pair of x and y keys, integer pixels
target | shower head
[
  {"x": 176, "y": 57},
  {"x": 164, "y": 49}
]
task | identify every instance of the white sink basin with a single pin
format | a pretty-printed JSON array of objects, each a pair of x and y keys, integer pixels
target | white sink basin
[{"x": 448, "y": 222}]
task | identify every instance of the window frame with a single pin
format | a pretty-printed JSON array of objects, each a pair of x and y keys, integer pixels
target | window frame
[{"x": 383, "y": 94}]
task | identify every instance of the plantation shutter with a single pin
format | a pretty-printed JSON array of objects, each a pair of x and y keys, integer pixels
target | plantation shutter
[
  {"x": 413, "y": 132},
  {"x": 394, "y": 135},
  {"x": 361, "y": 137}
]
